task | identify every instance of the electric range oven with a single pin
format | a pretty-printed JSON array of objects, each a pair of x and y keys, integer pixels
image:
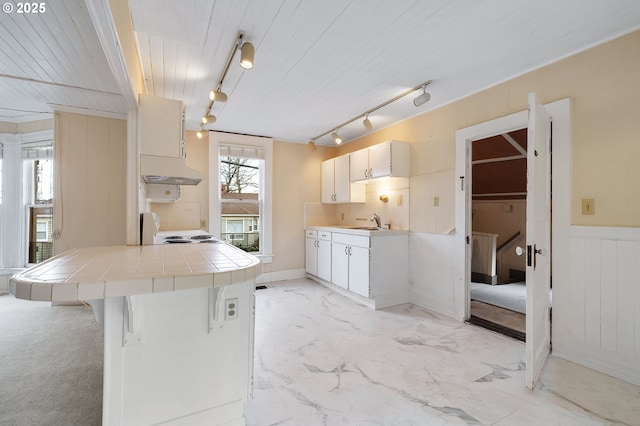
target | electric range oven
[{"x": 195, "y": 236}]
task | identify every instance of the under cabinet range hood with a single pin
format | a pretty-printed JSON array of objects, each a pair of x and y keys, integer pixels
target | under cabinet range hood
[{"x": 167, "y": 171}]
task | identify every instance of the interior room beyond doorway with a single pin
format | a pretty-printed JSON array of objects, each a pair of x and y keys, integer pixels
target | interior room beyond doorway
[{"x": 499, "y": 188}]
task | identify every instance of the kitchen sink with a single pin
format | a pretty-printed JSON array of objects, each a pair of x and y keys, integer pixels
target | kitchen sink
[{"x": 366, "y": 228}]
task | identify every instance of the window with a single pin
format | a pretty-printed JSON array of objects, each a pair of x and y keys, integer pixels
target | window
[
  {"x": 234, "y": 230},
  {"x": 38, "y": 196},
  {"x": 240, "y": 195},
  {"x": 240, "y": 191}
]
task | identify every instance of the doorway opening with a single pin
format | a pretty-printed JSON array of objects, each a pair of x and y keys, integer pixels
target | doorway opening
[{"x": 497, "y": 292}]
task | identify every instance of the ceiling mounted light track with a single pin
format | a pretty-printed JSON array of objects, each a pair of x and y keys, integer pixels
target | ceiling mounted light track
[
  {"x": 423, "y": 98},
  {"x": 217, "y": 96},
  {"x": 368, "y": 125},
  {"x": 208, "y": 119},
  {"x": 247, "y": 52},
  {"x": 336, "y": 137}
]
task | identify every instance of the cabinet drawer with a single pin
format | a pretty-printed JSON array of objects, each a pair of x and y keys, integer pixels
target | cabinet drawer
[
  {"x": 324, "y": 235},
  {"x": 311, "y": 233},
  {"x": 351, "y": 240}
]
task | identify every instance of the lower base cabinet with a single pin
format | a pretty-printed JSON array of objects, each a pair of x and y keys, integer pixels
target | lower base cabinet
[
  {"x": 375, "y": 267},
  {"x": 318, "y": 254},
  {"x": 350, "y": 266}
]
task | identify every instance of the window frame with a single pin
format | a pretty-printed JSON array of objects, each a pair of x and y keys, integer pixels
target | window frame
[{"x": 217, "y": 139}]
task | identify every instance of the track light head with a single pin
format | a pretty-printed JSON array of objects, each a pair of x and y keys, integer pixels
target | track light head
[
  {"x": 200, "y": 133},
  {"x": 336, "y": 137},
  {"x": 217, "y": 96},
  {"x": 367, "y": 123},
  {"x": 246, "y": 55},
  {"x": 312, "y": 145},
  {"x": 208, "y": 119},
  {"x": 423, "y": 98}
]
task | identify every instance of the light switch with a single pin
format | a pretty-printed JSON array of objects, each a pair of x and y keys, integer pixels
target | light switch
[
  {"x": 400, "y": 200},
  {"x": 588, "y": 206},
  {"x": 436, "y": 201}
]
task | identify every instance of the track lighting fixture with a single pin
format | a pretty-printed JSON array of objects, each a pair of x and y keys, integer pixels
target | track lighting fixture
[
  {"x": 208, "y": 119},
  {"x": 246, "y": 55},
  {"x": 247, "y": 52},
  {"x": 424, "y": 97},
  {"x": 200, "y": 132},
  {"x": 217, "y": 96},
  {"x": 312, "y": 145},
  {"x": 367, "y": 123},
  {"x": 336, "y": 137}
]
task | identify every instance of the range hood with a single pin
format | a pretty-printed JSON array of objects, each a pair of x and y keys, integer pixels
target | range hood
[{"x": 167, "y": 171}]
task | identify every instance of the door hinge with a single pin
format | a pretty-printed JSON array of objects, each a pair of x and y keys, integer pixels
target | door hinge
[{"x": 467, "y": 239}]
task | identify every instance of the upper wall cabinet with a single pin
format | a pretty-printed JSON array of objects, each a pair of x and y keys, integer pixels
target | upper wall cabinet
[
  {"x": 336, "y": 185},
  {"x": 387, "y": 159},
  {"x": 160, "y": 126}
]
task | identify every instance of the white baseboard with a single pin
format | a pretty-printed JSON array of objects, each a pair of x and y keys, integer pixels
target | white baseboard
[
  {"x": 440, "y": 306},
  {"x": 391, "y": 299},
  {"x": 599, "y": 359},
  {"x": 289, "y": 274},
  {"x": 355, "y": 297}
]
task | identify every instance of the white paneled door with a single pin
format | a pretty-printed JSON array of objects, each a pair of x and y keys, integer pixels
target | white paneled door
[{"x": 538, "y": 240}]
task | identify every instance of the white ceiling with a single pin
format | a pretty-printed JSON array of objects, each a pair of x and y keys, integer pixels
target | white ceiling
[{"x": 318, "y": 63}]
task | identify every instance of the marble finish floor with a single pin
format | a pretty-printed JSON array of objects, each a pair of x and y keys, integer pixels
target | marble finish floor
[{"x": 323, "y": 359}]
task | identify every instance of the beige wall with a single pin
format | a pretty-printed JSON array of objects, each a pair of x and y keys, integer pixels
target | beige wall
[
  {"x": 296, "y": 180},
  {"x": 26, "y": 127},
  {"x": 89, "y": 202},
  {"x": 193, "y": 206},
  {"x": 603, "y": 85}
]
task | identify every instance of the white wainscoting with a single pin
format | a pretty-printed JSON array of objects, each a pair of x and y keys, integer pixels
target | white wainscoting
[
  {"x": 605, "y": 296},
  {"x": 432, "y": 272}
]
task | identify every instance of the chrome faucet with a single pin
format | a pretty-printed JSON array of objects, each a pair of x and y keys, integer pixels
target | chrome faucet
[{"x": 376, "y": 218}]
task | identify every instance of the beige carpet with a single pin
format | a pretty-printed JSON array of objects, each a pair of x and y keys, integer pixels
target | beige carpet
[{"x": 38, "y": 388}]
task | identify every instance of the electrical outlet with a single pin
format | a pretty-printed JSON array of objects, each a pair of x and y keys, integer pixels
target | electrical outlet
[
  {"x": 203, "y": 223},
  {"x": 588, "y": 206},
  {"x": 230, "y": 309}
]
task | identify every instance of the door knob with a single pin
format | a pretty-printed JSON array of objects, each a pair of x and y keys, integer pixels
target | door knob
[{"x": 519, "y": 251}]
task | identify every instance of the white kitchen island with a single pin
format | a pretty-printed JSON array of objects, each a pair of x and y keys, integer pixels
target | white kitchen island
[{"x": 178, "y": 326}]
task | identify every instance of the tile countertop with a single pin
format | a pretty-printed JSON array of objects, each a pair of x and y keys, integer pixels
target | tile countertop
[
  {"x": 99, "y": 272},
  {"x": 365, "y": 232}
]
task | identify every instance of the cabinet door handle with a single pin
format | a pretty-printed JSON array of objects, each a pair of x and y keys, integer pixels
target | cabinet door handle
[
  {"x": 370, "y": 173},
  {"x": 346, "y": 250},
  {"x": 349, "y": 250},
  {"x": 366, "y": 175}
]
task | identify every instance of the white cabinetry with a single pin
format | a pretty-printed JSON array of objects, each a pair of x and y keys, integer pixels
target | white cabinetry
[
  {"x": 336, "y": 185},
  {"x": 318, "y": 254},
  {"x": 350, "y": 263},
  {"x": 370, "y": 266},
  {"x": 387, "y": 159},
  {"x": 160, "y": 126}
]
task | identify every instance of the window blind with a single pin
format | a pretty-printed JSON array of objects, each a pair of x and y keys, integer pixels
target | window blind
[
  {"x": 254, "y": 152},
  {"x": 37, "y": 152}
]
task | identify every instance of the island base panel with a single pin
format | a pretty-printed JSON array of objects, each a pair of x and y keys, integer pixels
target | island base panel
[{"x": 180, "y": 357}]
